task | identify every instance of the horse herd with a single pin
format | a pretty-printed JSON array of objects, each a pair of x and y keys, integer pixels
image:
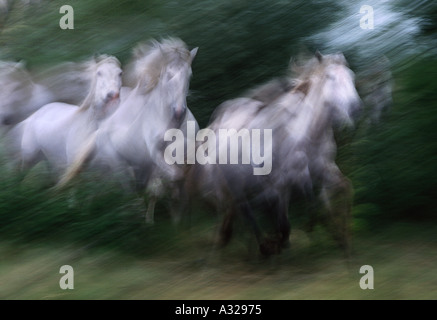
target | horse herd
[{"x": 94, "y": 116}]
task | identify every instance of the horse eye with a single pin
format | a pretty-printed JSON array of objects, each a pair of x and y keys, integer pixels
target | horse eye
[
  {"x": 99, "y": 73},
  {"x": 330, "y": 77}
]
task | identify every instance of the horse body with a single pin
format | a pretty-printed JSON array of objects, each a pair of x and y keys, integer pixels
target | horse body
[
  {"x": 303, "y": 149},
  {"x": 20, "y": 95},
  {"x": 23, "y": 92},
  {"x": 132, "y": 139},
  {"x": 39, "y": 140},
  {"x": 115, "y": 146},
  {"x": 158, "y": 102}
]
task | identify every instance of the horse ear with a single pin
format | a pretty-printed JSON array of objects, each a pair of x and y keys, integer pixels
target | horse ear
[
  {"x": 96, "y": 58},
  {"x": 303, "y": 87},
  {"x": 159, "y": 45},
  {"x": 319, "y": 56},
  {"x": 20, "y": 64},
  {"x": 138, "y": 51},
  {"x": 193, "y": 53},
  {"x": 340, "y": 56}
]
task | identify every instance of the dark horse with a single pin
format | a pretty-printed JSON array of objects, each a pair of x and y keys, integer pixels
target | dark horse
[{"x": 301, "y": 114}]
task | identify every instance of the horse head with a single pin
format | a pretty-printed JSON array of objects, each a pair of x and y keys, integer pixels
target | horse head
[
  {"x": 330, "y": 82},
  {"x": 165, "y": 67},
  {"x": 176, "y": 76},
  {"x": 104, "y": 95},
  {"x": 16, "y": 84}
]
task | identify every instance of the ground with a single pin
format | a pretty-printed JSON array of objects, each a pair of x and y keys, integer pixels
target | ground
[{"x": 402, "y": 256}]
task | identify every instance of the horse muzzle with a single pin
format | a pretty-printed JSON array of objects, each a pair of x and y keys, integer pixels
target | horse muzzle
[
  {"x": 113, "y": 95},
  {"x": 356, "y": 110},
  {"x": 179, "y": 112}
]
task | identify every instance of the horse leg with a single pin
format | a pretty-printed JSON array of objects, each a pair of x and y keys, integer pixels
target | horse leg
[
  {"x": 30, "y": 154},
  {"x": 265, "y": 246},
  {"x": 29, "y": 160},
  {"x": 276, "y": 207},
  {"x": 150, "y": 213},
  {"x": 311, "y": 212},
  {"x": 156, "y": 190},
  {"x": 283, "y": 223},
  {"x": 141, "y": 178},
  {"x": 179, "y": 201},
  {"x": 226, "y": 228},
  {"x": 153, "y": 192},
  {"x": 337, "y": 196},
  {"x": 236, "y": 205}
]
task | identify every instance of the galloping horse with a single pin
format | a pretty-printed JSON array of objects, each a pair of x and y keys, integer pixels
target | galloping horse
[
  {"x": 23, "y": 92},
  {"x": 57, "y": 131},
  {"x": 132, "y": 138},
  {"x": 302, "y": 154}
]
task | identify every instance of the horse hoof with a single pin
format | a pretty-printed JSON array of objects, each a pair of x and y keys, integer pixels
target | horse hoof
[
  {"x": 286, "y": 244},
  {"x": 265, "y": 250},
  {"x": 269, "y": 247}
]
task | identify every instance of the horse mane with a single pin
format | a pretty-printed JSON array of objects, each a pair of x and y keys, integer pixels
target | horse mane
[
  {"x": 296, "y": 81},
  {"x": 92, "y": 67},
  {"x": 151, "y": 58},
  {"x": 272, "y": 90},
  {"x": 314, "y": 67},
  {"x": 317, "y": 65},
  {"x": 69, "y": 81}
]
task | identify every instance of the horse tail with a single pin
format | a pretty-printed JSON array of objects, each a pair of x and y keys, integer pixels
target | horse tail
[{"x": 82, "y": 157}]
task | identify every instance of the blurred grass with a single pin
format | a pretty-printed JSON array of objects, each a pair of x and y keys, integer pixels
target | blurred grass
[
  {"x": 102, "y": 234},
  {"x": 404, "y": 269}
]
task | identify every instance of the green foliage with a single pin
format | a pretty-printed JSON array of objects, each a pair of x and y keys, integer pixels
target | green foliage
[{"x": 395, "y": 160}]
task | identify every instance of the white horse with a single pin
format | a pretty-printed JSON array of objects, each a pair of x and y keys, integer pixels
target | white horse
[
  {"x": 57, "y": 131},
  {"x": 20, "y": 96},
  {"x": 302, "y": 154},
  {"x": 132, "y": 139},
  {"x": 23, "y": 92},
  {"x": 68, "y": 81}
]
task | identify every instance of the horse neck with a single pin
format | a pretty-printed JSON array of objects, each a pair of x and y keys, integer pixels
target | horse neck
[
  {"x": 158, "y": 108},
  {"x": 89, "y": 106},
  {"x": 40, "y": 96},
  {"x": 33, "y": 97},
  {"x": 315, "y": 116}
]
